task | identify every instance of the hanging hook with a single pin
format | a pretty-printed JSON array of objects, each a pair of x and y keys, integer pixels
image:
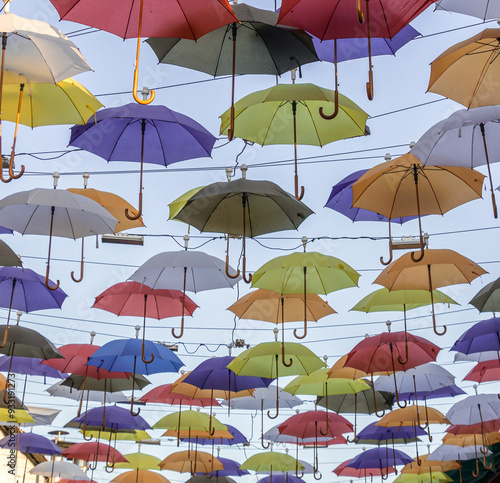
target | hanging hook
[
  {"x": 406, "y": 341},
  {"x": 12, "y": 154},
  {"x": 359, "y": 10},
  {"x": 6, "y": 332},
  {"x": 246, "y": 279},
  {"x": 369, "y": 84},
  {"x": 47, "y": 281},
  {"x": 375, "y": 401},
  {"x": 277, "y": 393},
  {"x": 327, "y": 426},
  {"x": 237, "y": 274},
  {"x": 488, "y": 467},
  {"x": 144, "y": 335},
  {"x": 336, "y": 94},
  {"x": 290, "y": 362},
  {"x": 139, "y": 208},
  {"x": 183, "y": 307},
  {"x": 136, "y": 69},
  {"x": 390, "y": 248},
  {"x": 434, "y": 325},
  {"x": 298, "y": 196},
  {"x": 78, "y": 280},
  {"x": 234, "y": 32},
  {"x": 286, "y": 364},
  {"x": 395, "y": 380},
  {"x": 493, "y": 201},
  {"x": 305, "y": 307}
]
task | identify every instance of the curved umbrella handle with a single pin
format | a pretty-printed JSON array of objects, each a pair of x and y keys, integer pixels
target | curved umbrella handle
[
  {"x": 286, "y": 364},
  {"x": 47, "y": 281},
  {"x": 47, "y": 284},
  {"x": 369, "y": 85},
  {"x": 475, "y": 472},
  {"x": 78, "y": 280},
  {"x": 21, "y": 172},
  {"x": 110, "y": 467},
  {"x": 277, "y": 394},
  {"x": 375, "y": 401},
  {"x": 12, "y": 154},
  {"x": 316, "y": 471},
  {"x": 237, "y": 274},
  {"x": 277, "y": 411},
  {"x": 304, "y": 334},
  {"x": 142, "y": 354},
  {"x": 406, "y": 350},
  {"x": 85, "y": 438},
  {"x": 132, "y": 412},
  {"x": 488, "y": 467},
  {"x": 4, "y": 343},
  {"x": 265, "y": 445},
  {"x": 336, "y": 94},
  {"x": 144, "y": 335},
  {"x": 422, "y": 252},
  {"x": 93, "y": 465},
  {"x": 359, "y": 11},
  {"x": 298, "y": 196},
  {"x": 177, "y": 336},
  {"x": 246, "y": 279},
  {"x": 382, "y": 261},
  {"x": 297, "y": 472},
  {"x": 327, "y": 427},
  {"x": 4, "y": 180},
  {"x": 434, "y": 326},
  {"x": 183, "y": 307}
]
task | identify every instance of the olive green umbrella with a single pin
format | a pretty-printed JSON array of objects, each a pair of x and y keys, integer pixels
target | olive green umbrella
[
  {"x": 243, "y": 207},
  {"x": 139, "y": 461},
  {"x": 290, "y": 114},
  {"x": 271, "y": 461}
]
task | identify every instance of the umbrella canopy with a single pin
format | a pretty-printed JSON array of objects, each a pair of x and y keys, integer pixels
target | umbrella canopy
[
  {"x": 373, "y": 434},
  {"x": 271, "y": 461},
  {"x": 139, "y": 476},
  {"x": 312, "y": 424},
  {"x": 290, "y": 114},
  {"x": 81, "y": 383},
  {"x": 405, "y": 187},
  {"x": 484, "y": 371},
  {"x": 488, "y": 298},
  {"x": 59, "y": 390},
  {"x": 93, "y": 451},
  {"x": 114, "y": 418},
  {"x": 189, "y": 420},
  {"x": 475, "y": 409},
  {"x": 243, "y": 207},
  {"x": 48, "y": 56},
  {"x": 482, "y": 336},
  {"x": 31, "y": 443},
  {"x": 61, "y": 469},
  {"x": 231, "y": 468},
  {"x": 24, "y": 342},
  {"x": 139, "y": 461},
  {"x": 379, "y": 458},
  {"x": 8, "y": 257},
  {"x": 345, "y": 470},
  {"x": 264, "y": 398},
  {"x": 29, "y": 366},
  {"x": 483, "y": 9},
  {"x": 213, "y": 479},
  {"x": 163, "y": 394},
  {"x": 237, "y": 437},
  {"x": 466, "y": 72},
  {"x": 141, "y": 133},
  {"x": 191, "y": 462}
]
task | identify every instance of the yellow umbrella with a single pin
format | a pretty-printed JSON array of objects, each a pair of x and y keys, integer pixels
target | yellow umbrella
[
  {"x": 66, "y": 102},
  {"x": 15, "y": 417},
  {"x": 175, "y": 206},
  {"x": 468, "y": 71},
  {"x": 486, "y": 439},
  {"x": 431, "y": 477},
  {"x": 196, "y": 462},
  {"x": 406, "y": 187},
  {"x": 339, "y": 370},
  {"x": 429, "y": 465},
  {"x": 437, "y": 268}
]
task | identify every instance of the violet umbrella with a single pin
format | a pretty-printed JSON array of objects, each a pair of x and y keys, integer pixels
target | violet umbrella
[
  {"x": 142, "y": 133},
  {"x": 482, "y": 336},
  {"x": 380, "y": 458},
  {"x": 231, "y": 468},
  {"x": 286, "y": 478},
  {"x": 378, "y": 435},
  {"x": 213, "y": 374},
  {"x": 31, "y": 443},
  {"x": 23, "y": 289}
]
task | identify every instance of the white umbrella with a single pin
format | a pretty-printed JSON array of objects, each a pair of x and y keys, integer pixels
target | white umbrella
[
  {"x": 184, "y": 270},
  {"x": 54, "y": 212},
  {"x": 476, "y": 356},
  {"x": 58, "y": 390},
  {"x": 475, "y": 409},
  {"x": 448, "y": 452},
  {"x": 466, "y": 138},
  {"x": 61, "y": 469},
  {"x": 275, "y": 436},
  {"x": 483, "y": 9}
]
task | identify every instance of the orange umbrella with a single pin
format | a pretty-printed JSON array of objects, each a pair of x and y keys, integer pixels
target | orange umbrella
[
  {"x": 406, "y": 187},
  {"x": 140, "y": 476},
  {"x": 191, "y": 462},
  {"x": 426, "y": 466},
  {"x": 437, "y": 268}
]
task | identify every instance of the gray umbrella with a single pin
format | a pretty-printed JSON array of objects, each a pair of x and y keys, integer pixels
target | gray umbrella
[
  {"x": 7, "y": 256},
  {"x": 254, "y": 46},
  {"x": 488, "y": 298},
  {"x": 184, "y": 270},
  {"x": 244, "y": 208},
  {"x": 28, "y": 343}
]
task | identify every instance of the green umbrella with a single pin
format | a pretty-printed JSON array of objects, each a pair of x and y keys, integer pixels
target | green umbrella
[
  {"x": 488, "y": 298},
  {"x": 244, "y": 208},
  {"x": 385, "y": 300},
  {"x": 305, "y": 273},
  {"x": 271, "y": 461},
  {"x": 290, "y": 114},
  {"x": 264, "y": 360}
]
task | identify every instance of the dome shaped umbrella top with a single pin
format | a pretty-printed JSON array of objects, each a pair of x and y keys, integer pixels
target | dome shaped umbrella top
[
  {"x": 271, "y": 461},
  {"x": 264, "y": 398},
  {"x": 475, "y": 409},
  {"x": 231, "y": 468},
  {"x": 115, "y": 418},
  {"x": 163, "y": 394},
  {"x": 483, "y": 9},
  {"x": 213, "y": 479},
  {"x": 190, "y": 462},
  {"x": 40, "y": 51},
  {"x": 139, "y": 461},
  {"x": 379, "y": 458},
  {"x": 93, "y": 451},
  {"x": 62, "y": 469},
  {"x": 32, "y": 443},
  {"x": 237, "y": 438},
  {"x": 139, "y": 476},
  {"x": 482, "y": 336},
  {"x": 7, "y": 256},
  {"x": 488, "y": 298},
  {"x": 373, "y": 434},
  {"x": 28, "y": 343},
  {"x": 275, "y": 436}
]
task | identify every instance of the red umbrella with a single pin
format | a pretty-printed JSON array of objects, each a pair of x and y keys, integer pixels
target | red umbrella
[
  {"x": 138, "y": 300},
  {"x": 342, "y": 19},
  {"x": 383, "y": 353},
  {"x": 94, "y": 452},
  {"x": 484, "y": 371},
  {"x": 308, "y": 424},
  {"x": 478, "y": 428},
  {"x": 344, "y": 470},
  {"x": 187, "y": 19}
]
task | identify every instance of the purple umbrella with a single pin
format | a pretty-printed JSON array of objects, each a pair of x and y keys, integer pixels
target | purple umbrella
[
  {"x": 281, "y": 479},
  {"x": 449, "y": 391},
  {"x": 30, "y": 443},
  {"x": 29, "y": 366},
  {"x": 373, "y": 434},
  {"x": 481, "y": 337},
  {"x": 25, "y": 290},
  {"x": 238, "y": 438},
  {"x": 114, "y": 418},
  {"x": 142, "y": 133},
  {"x": 357, "y": 48},
  {"x": 6, "y": 231},
  {"x": 379, "y": 458},
  {"x": 231, "y": 468},
  {"x": 214, "y": 374}
]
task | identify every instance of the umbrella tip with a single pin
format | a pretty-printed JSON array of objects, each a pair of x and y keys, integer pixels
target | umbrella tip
[
  {"x": 244, "y": 169},
  {"x": 388, "y": 323},
  {"x": 412, "y": 144},
  {"x": 56, "y": 175},
  {"x": 387, "y": 157}
]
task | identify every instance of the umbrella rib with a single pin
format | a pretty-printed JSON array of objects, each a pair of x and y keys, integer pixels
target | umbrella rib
[
  {"x": 483, "y": 73},
  {"x": 221, "y": 48},
  {"x": 271, "y": 121},
  {"x": 320, "y": 144},
  {"x": 186, "y": 19}
]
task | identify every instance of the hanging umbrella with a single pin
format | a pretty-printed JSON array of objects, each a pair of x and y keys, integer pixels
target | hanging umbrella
[
  {"x": 237, "y": 437},
  {"x": 271, "y": 462},
  {"x": 340, "y": 370},
  {"x": 482, "y": 336},
  {"x": 175, "y": 206},
  {"x": 252, "y": 45},
  {"x": 340, "y": 200},
  {"x": 93, "y": 452},
  {"x": 136, "y": 435},
  {"x": 467, "y": 71},
  {"x": 280, "y": 479},
  {"x": 54, "y": 212},
  {"x": 23, "y": 289},
  {"x": 243, "y": 207},
  {"x": 437, "y": 268},
  {"x": 427, "y": 465},
  {"x": 383, "y": 300},
  {"x": 463, "y": 440},
  {"x": 139, "y": 476},
  {"x": 176, "y": 18},
  {"x": 191, "y": 271},
  {"x": 37, "y": 52},
  {"x": 138, "y": 300},
  {"x": 288, "y": 114},
  {"x": 263, "y": 360},
  {"x": 384, "y": 352},
  {"x": 106, "y": 384},
  {"x": 274, "y": 436},
  {"x": 29, "y": 366},
  {"x": 338, "y": 20},
  {"x": 163, "y": 394},
  {"x": 8, "y": 257},
  {"x": 137, "y": 133},
  {"x": 373, "y": 434},
  {"x": 59, "y": 469},
  {"x": 488, "y": 298},
  {"x": 185, "y": 462},
  {"x": 345, "y": 470},
  {"x": 59, "y": 390},
  {"x": 31, "y": 443},
  {"x": 261, "y": 399},
  {"x": 483, "y": 9},
  {"x": 484, "y": 371},
  {"x": 447, "y": 452},
  {"x": 465, "y": 139},
  {"x": 139, "y": 461},
  {"x": 379, "y": 458},
  {"x": 213, "y": 479},
  {"x": 405, "y": 187},
  {"x": 305, "y": 273},
  {"x": 475, "y": 409},
  {"x": 231, "y": 468}
]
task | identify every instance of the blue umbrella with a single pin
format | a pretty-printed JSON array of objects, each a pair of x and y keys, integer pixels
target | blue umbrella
[
  {"x": 231, "y": 468},
  {"x": 142, "y": 133},
  {"x": 482, "y": 336},
  {"x": 373, "y": 434},
  {"x": 30, "y": 443},
  {"x": 379, "y": 458},
  {"x": 286, "y": 478},
  {"x": 127, "y": 355}
]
